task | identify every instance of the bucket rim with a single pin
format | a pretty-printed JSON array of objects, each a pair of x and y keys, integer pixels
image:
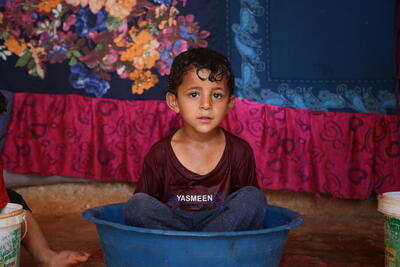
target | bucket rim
[
  {"x": 296, "y": 220},
  {"x": 392, "y": 195},
  {"x": 18, "y": 211}
]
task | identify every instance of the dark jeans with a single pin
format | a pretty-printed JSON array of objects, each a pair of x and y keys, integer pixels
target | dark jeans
[{"x": 242, "y": 210}]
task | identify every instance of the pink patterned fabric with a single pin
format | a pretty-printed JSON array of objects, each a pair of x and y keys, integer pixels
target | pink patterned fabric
[{"x": 347, "y": 155}]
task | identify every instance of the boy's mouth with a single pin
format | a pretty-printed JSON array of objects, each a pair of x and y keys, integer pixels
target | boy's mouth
[{"x": 204, "y": 119}]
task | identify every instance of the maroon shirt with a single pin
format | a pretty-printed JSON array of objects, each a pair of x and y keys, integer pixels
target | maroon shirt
[{"x": 166, "y": 179}]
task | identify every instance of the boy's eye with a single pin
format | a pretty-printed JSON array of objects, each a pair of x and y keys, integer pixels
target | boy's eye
[
  {"x": 217, "y": 95},
  {"x": 193, "y": 94}
]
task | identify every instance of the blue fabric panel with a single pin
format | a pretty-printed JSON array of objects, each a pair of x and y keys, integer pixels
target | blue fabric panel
[
  {"x": 331, "y": 40},
  {"x": 319, "y": 55}
]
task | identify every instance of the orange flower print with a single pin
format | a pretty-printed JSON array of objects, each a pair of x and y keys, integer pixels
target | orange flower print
[
  {"x": 143, "y": 80},
  {"x": 130, "y": 53},
  {"x": 47, "y": 5},
  {"x": 120, "y": 8},
  {"x": 168, "y": 16},
  {"x": 120, "y": 41},
  {"x": 14, "y": 46},
  {"x": 132, "y": 32},
  {"x": 142, "y": 52},
  {"x": 36, "y": 52},
  {"x": 94, "y": 5},
  {"x": 149, "y": 57}
]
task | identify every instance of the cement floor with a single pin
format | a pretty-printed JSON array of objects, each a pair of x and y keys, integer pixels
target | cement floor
[{"x": 320, "y": 241}]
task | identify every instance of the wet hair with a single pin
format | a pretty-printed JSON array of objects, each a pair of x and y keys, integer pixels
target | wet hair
[
  {"x": 201, "y": 58},
  {"x": 3, "y": 103}
]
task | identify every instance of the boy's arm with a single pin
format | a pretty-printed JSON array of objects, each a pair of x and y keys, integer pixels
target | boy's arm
[
  {"x": 247, "y": 172},
  {"x": 149, "y": 181}
]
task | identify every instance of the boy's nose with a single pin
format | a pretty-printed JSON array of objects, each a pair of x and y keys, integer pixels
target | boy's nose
[{"x": 205, "y": 103}]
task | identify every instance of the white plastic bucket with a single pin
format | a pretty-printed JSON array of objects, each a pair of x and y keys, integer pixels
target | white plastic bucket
[
  {"x": 389, "y": 205},
  {"x": 11, "y": 217}
]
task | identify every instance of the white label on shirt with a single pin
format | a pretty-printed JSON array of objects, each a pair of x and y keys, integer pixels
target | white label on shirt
[{"x": 195, "y": 198}]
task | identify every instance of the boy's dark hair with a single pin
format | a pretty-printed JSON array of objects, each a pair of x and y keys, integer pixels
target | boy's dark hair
[
  {"x": 201, "y": 58},
  {"x": 3, "y": 103}
]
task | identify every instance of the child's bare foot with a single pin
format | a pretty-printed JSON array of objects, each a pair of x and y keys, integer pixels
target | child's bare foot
[{"x": 64, "y": 258}]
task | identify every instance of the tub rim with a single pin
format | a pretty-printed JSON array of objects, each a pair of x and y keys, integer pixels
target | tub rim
[{"x": 296, "y": 220}]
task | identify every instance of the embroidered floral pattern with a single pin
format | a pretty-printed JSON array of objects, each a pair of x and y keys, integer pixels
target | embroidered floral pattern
[{"x": 136, "y": 39}]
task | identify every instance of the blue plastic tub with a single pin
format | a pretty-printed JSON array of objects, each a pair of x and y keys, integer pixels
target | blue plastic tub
[{"x": 133, "y": 246}]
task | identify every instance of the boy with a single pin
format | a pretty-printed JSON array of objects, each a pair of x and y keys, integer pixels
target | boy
[
  {"x": 200, "y": 178},
  {"x": 34, "y": 241}
]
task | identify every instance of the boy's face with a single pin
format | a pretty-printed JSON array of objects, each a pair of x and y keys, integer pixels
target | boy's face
[{"x": 203, "y": 104}]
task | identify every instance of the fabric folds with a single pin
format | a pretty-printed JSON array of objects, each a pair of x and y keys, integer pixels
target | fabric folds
[{"x": 347, "y": 155}]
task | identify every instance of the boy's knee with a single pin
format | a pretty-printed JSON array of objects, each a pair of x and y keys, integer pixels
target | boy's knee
[
  {"x": 248, "y": 199},
  {"x": 253, "y": 195},
  {"x": 257, "y": 203},
  {"x": 137, "y": 203},
  {"x": 135, "y": 209},
  {"x": 139, "y": 197},
  {"x": 260, "y": 197},
  {"x": 250, "y": 189}
]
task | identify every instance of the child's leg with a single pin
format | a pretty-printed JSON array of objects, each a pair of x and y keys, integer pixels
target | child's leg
[
  {"x": 36, "y": 243},
  {"x": 242, "y": 210},
  {"x": 142, "y": 210},
  {"x": 44, "y": 256}
]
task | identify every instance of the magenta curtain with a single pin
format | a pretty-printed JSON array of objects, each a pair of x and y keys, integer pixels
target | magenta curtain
[{"x": 348, "y": 155}]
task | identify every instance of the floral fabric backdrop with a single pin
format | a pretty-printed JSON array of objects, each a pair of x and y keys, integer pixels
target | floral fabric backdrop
[
  {"x": 88, "y": 83},
  {"x": 89, "y": 47}
]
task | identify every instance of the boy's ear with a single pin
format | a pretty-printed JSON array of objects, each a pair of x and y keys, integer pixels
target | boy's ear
[
  {"x": 231, "y": 102},
  {"x": 172, "y": 102}
]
